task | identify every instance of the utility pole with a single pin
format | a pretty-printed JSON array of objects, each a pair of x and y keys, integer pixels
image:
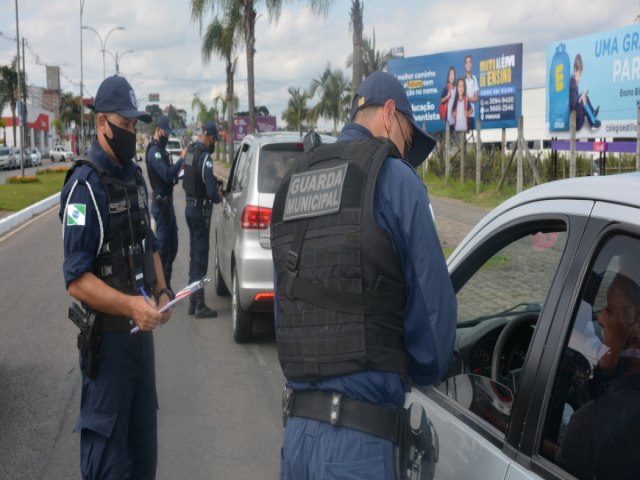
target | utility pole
[
  {"x": 23, "y": 123},
  {"x": 81, "y": 148},
  {"x": 21, "y": 120}
]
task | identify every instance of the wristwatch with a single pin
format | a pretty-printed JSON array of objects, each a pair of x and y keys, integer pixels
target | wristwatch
[{"x": 167, "y": 291}]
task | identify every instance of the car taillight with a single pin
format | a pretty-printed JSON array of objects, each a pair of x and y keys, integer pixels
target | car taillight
[{"x": 255, "y": 218}]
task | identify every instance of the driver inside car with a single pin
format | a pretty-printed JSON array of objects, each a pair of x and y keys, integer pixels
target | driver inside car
[{"x": 601, "y": 440}]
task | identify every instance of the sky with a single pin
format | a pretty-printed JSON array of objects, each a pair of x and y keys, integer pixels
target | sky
[{"x": 159, "y": 49}]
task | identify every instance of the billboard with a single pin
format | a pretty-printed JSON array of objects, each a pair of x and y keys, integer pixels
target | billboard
[
  {"x": 598, "y": 77},
  {"x": 457, "y": 88},
  {"x": 263, "y": 124},
  {"x": 154, "y": 97}
]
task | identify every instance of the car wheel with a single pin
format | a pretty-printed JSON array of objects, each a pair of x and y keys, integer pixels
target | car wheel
[
  {"x": 220, "y": 286},
  {"x": 241, "y": 318}
]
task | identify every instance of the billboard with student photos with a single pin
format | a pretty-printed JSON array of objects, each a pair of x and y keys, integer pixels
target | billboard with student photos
[
  {"x": 455, "y": 89},
  {"x": 598, "y": 77}
]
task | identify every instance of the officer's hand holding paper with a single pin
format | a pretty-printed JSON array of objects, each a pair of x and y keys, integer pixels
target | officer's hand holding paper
[{"x": 181, "y": 295}]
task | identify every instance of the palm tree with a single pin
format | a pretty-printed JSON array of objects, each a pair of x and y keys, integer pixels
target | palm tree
[
  {"x": 373, "y": 60},
  {"x": 69, "y": 110},
  {"x": 297, "y": 110},
  {"x": 222, "y": 38},
  {"x": 357, "y": 13},
  {"x": 9, "y": 92},
  {"x": 248, "y": 15},
  {"x": 335, "y": 95}
]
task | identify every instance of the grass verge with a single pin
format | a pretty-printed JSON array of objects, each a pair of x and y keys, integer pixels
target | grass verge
[
  {"x": 489, "y": 196},
  {"x": 16, "y": 196}
]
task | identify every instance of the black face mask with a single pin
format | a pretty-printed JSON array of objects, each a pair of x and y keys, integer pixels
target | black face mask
[
  {"x": 123, "y": 143},
  {"x": 212, "y": 147},
  {"x": 163, "y": 140}
]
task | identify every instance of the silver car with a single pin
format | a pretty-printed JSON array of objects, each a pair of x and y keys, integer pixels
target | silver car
[
  {"x": 539, "y": 385},
  {"x": 7, "y": 158},
  {"x": 243, "y": 263}
]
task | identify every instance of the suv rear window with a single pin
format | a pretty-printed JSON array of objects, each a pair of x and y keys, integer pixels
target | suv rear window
[
  {"x": 275, "y": 161},
  {"x": 173, "y": 145}
]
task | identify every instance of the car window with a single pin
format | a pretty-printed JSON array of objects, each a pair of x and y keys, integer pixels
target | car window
[
  {"x": 173, "y": 145},
  {"x": 275, "y": 161},
  {"x": 516, "y": 278},
  {"x": 499, "y": 303},
  {"x": 239, "y": 169},
  {"x": 592, "y": 426}
]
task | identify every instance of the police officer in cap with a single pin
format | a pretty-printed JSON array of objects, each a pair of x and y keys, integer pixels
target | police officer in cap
[
  {"x": 162, "y": 176},
  {"x": 112, "y": 266},
  {"x": 202, "y": 191},
  {"x": 364, "y": 303}
]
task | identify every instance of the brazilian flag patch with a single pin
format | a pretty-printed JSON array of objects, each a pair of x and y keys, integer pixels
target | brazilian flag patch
[{"x": 76, "y": 214}]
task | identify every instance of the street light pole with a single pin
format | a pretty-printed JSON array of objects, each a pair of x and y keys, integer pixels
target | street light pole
[
  {"x": 81, "y": 149},
  {"x": 117, "y": 59},
  {"x": 103, "y": 45}
]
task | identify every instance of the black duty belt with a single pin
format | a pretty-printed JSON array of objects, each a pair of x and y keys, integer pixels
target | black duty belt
[
  {"x": 114, "y": 323},
  {"x": 197, "y": 202},
  {"x": 341, "y": 411}
]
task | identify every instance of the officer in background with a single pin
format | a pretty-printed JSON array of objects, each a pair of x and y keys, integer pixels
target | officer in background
[
  {"x": 202, "y": 191},
  {"x": 110, "y": 265},
  {"x": 162, "y": 176},
  {"x": 364, "y": 303}
]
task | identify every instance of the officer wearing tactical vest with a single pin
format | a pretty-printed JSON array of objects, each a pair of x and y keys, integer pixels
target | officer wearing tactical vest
[
  {"x": 110, "y": 265},
  {"x": 162, "y": 176},
  {"x": 202, "y": 191},
  {"x": 364, "y": 303}
]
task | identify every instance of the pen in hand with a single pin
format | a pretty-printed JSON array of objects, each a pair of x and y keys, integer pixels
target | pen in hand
[{"x": 146, "y": 299}]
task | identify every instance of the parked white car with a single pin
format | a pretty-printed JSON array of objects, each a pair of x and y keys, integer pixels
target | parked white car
[
  {"x": 36, "y": 157},
  {"x": 60, "y": 154}
]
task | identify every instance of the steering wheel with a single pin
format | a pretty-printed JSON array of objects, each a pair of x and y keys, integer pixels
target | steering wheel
[{"x": 509, "y": 329}]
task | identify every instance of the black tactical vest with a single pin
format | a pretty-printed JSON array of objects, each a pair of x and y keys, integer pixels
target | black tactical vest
[
  {"x": 192, "y": 181},
  {"x": 157, "y": 183},
  {"x": 126, "y": 251},
  {"x": 341, "y": 289}
]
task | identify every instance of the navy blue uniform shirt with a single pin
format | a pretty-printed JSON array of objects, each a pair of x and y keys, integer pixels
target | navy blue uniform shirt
[
  {"x": 157, "y": 159},
  {"x": 402, "y": 209},
  {"x": 84, "y": 212},
  {"x": 204, "y": 168}
]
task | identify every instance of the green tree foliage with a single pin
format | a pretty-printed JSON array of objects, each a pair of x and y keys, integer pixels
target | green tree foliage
[
  {"x": 248, "y": 12},
  {"x": 9, "y": 92},
  {"x": 334, "y": 91},
  {"x": 222, "y": 39},
  {"x": 298, "y": 111},
  {"x": 373, "y": 60}
]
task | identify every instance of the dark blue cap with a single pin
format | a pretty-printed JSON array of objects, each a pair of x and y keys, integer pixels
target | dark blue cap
[
  {"x": 165, "y": 124},
  {"x": 379, "y": 87},
  {"x": 116, "y": 95},
  {"x": 210, "y": 129}
]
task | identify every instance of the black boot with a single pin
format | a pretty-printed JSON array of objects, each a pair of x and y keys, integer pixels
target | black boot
[
  {"x": 192, "y": 305},
  {"x": 202, "y": 311}
]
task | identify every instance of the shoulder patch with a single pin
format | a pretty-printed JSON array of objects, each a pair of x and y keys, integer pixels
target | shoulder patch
[
  {"x": 208, "y": 164},
  {"x": 158, "y": 155},
  {"x": 76, "y": 214}
]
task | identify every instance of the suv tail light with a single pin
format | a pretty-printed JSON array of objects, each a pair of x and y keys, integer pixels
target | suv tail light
[{"x": 255, "y": 218}]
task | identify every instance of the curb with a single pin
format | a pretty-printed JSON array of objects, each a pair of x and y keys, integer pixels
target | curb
[{"x": 12, "y": 221}]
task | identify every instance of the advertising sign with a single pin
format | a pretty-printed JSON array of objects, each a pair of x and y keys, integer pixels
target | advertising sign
[
  {"x": 263, "y": 124},
  {"x": 598, "y": 77},
  {"x": 154, "y": 97},
  {"x": 456, "y": 88}
]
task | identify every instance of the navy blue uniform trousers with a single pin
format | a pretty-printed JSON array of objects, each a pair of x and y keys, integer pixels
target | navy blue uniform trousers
[
  {"x": 198, "y": 242},
  {"x": 167, "y": 235},
  {"x": 319, "y": 451},
  {"x": 118, "y": 418}
]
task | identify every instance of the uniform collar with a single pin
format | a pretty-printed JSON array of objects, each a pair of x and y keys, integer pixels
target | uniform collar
[
  {"x": 97, "y": 154},
  {"x": 354, "y": 131}
]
